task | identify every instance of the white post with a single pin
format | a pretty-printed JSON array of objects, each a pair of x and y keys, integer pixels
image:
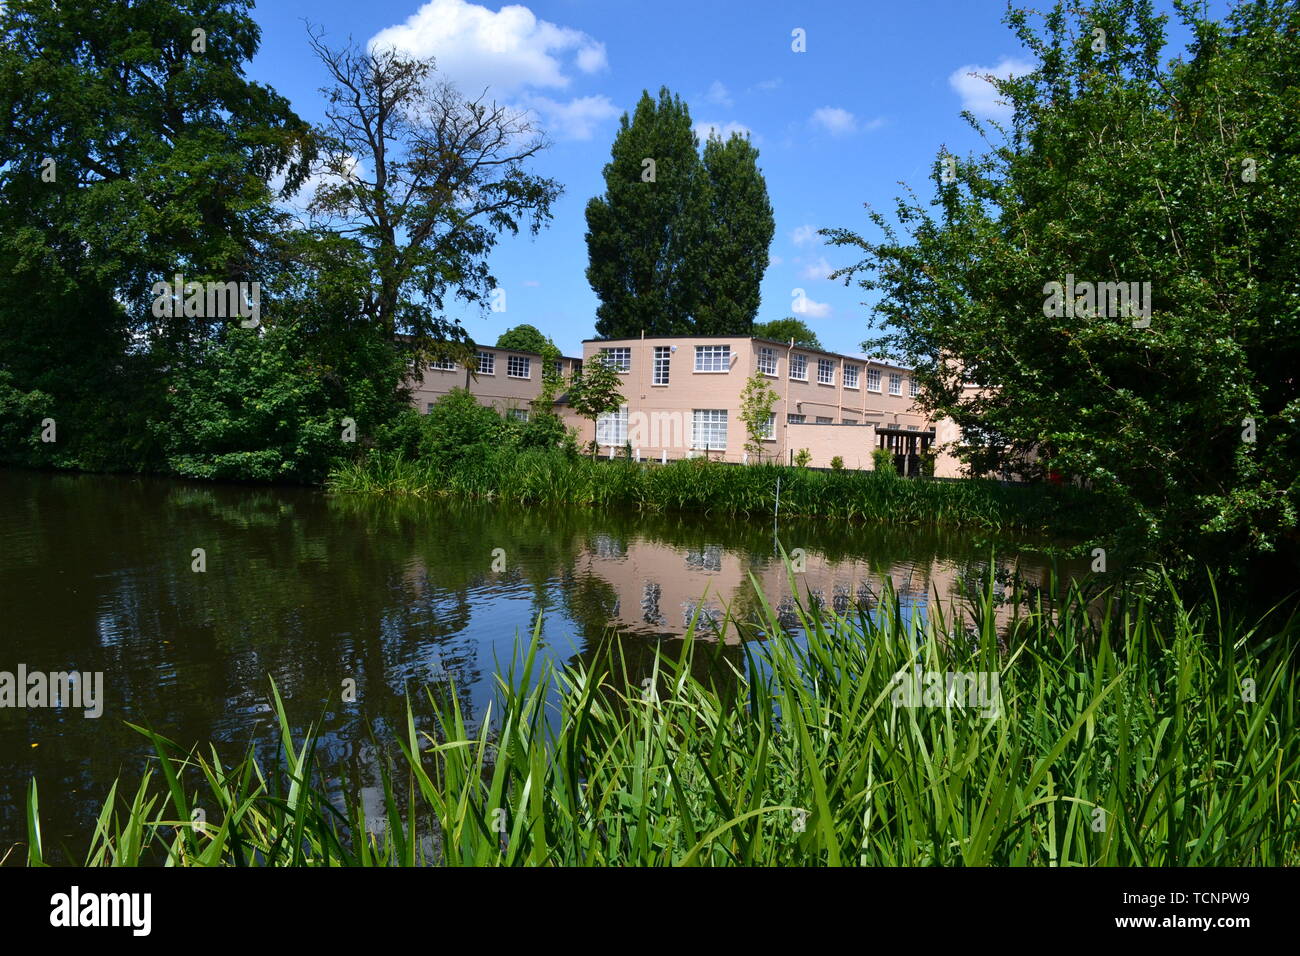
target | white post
[
  {"x": 638, "y": 456},
  {"x": 744, "y": 459},
  {"x": 611, "y": 452},
  {"x": 663, "y": 456}
]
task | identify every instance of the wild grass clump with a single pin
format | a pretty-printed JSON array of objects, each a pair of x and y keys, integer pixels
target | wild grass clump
[
  {"x": 1119, "y": 736},
  {"x": 543, "y": 477}
]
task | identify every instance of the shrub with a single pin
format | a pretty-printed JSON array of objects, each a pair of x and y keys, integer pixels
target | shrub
[
  {"x": 882, "y": 460},
  {"x": 837, "y": 463},
  {"x": 457, "y": 423},
  {"x": 802, "y": 457}
]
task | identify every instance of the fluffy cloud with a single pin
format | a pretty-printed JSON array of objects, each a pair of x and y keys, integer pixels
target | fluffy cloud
[
  {"x": 512, "y": 54},
  {"x": 818, "y": 269},
  {"x": 576, "y": 119},
  {"x": 723, "y": 130},
  {"x": 718, "y": 94},
  {"x": 979, "y": 95},
  {"x": 812, "y": 309},
  {"x": 804, "y": 235},
  {"x": 836, "y": 121}
]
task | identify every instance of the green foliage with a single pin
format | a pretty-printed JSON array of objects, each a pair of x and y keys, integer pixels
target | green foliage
[
  {"x": 757, "y": 400},
  {"x": 683, "y": 252},
  {"x": 837, "y": 463},
  {"x": 594, "y": 390},
  {"x": 1129, "y": 716},
  {"x": 802, "y": 457},
  {"x": 21, "y": 414},
  {"x": 458, "y": 426},
  {"x": 524, "y": 338},
  {"x": 1124, "y": 165},
  {"x": 740, "y": 231},
  {"x": 882, "y": 461},
  {"x": 783, "y": 330},
  {"x": 553, "y": 479},
  {"x": 253, "y": 408}
]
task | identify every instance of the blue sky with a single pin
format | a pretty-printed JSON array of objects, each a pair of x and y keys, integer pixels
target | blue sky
[{"x": 875, "y": 96}]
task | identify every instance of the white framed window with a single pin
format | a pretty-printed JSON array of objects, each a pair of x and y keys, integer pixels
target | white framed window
[
  {"x": 799, "y": 367},
  {"x": 428, "y": 407},
  {"x": 767, "y": 360},
  {"x": 619, "y": 357},
  {"x": 487, "y": 363},
  {"x": 913, "y": 428},
  {"x": 913, "y": 387},
  {"x": 825, "y": 371},
  {"x": 824, "y": 420},
  {"x": 873, "y": 379},
  {"x": 712, "y": 358},
  {"x": 794, "y": 419},
  {"x": 850, "y": 376},
  {"x": 709, "y": 429},
  {"x": 519, "y": 366},
  {"x": 443, "y": 365},
  {"x": 895, "y": 384},
  {"x": 517, "y": 414},
  {"x": 848, "y": 421},
  {"x": 611, "y": 428},
  {"x": 663, "y": 357},
  {"x": 768, "y": 431}
]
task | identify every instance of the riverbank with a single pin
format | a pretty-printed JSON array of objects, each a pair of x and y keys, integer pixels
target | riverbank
[
  {"x": 552, "y": 479},
  {"x": 1127, "y": 738}
]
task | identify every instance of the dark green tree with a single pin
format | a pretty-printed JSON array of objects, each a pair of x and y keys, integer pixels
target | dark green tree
[
  {"x": 646, "y": 234},
  {"x": 525, "y": 338},
  {"x": 740, "y": 232},
  {"x": 783, "y": 330},
  {"x": 1124, "y": 166},
  {"x": 594, "y": 390}
]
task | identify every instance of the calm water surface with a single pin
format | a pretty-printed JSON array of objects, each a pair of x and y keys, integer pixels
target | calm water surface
[{"x": 310, "y": 591}]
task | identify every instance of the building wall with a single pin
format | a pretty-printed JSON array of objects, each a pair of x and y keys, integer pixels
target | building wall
[
  {"x": 498, "y": 388},
  {"x": 661, "y": 416}
]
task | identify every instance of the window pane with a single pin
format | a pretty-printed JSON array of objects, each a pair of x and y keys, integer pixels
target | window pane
[
  {"x": 709, "y": 428},
  {"x": 712, "y": 358},
  {"x": 663, "y": 355},
  {"x": 487, "y": 363}
]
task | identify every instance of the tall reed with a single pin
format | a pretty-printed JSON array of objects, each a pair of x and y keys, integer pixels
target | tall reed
[{"x": 1123, "y": 735}]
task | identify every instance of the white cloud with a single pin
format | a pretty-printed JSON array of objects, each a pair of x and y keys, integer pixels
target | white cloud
[
  {"x": 819, "y": 269},
  {"x": 804, "y": 235},
  {"x": 718, "y": 94},
  {"x": 836, "y": 121},
  {"x": 813, "y": 309},
  {"x": 979, "y": 95},
  {"x": 766, "y": 85},
  {"x": 511, "y": 53},
  {"x": 723, "y": 130},
  {"x": 576, "y": 119}
]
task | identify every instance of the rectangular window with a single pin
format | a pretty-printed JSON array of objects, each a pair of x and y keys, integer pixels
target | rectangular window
[
  {"x": 663, "y": 354},
  {"x": 428, "y": 408},
  {"x": 443, "y": 365},
  {"x": 619, "y": 358},
  {"x": 913, "y": 428},
  {"x": 913, "y": 387},
  {"x": 895, "y": 384},
  {"x": 849, "y": 421},
  {"x": 825, "y": 371},
  {"x": 873, "y": 380},
  {"x": 712, "y": 358},
  {"x": 799, "y": 367},
  {"x": 709, "y": 429},
  {"x": 823, "y": 420},
  {"x": 850, "y": 376},
  {"x": 767, "y": 361},
  {"x": 487, "y": 363},
  {"x": 519, "y": 366},
  {"x": 611, "y": 428},
  {"x": 517, "y": 414},
  {"x": 769, "y": 428},
  {"x": 794, "y": 419}
]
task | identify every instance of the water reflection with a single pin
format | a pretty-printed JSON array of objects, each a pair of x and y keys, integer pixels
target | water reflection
[{"x": 96, "y": 575}]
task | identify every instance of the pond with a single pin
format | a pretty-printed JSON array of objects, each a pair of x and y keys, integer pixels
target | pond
[{"x": 101, "y": 575}]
